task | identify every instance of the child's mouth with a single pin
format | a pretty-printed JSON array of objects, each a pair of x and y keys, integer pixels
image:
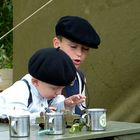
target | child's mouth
[{"x": 77, "y": 62}]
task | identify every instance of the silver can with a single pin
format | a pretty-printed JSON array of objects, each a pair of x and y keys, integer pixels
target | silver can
[
  {"x": 54, "y": 123},
  {"x": 19, "y": 126},
  {"x": 95, "y": 119}
]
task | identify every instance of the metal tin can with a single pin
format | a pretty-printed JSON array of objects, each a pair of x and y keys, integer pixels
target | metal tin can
[
  {"x": 19, "y": 126},
  {"x": 95, "y": 119},
  {"x": 54, "y": 123}
]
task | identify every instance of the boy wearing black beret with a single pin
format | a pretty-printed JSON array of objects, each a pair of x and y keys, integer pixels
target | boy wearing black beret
[
  {"x": 75, "y": 36},
  {"x": 50, "y": 70}
]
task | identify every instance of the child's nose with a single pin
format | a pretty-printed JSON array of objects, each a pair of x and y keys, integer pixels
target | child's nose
[{"x": 79, "y": 51}]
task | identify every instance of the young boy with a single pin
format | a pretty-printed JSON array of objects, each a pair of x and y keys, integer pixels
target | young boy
[
  {"x": 49, "y": 70},
  {"x": 75, "y": 36}
]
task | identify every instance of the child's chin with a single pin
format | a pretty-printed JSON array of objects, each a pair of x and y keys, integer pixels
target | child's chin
[{"x": 77, "y": 66}]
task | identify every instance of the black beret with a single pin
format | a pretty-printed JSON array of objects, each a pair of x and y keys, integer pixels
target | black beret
[
  {"x": 78, "y": 30},
  {"x": 52, "y": 66}
]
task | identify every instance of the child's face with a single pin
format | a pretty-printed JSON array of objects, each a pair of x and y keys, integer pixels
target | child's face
[
  {"x": 76, "y": 52},
  {"x": 47, "y": 90}
]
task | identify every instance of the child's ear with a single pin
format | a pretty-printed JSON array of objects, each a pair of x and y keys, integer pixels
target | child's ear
[
  {"x": 35, "y": 81},
  {"x": 56, "y": 42}
]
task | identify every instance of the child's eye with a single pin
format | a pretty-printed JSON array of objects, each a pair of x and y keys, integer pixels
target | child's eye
[
  {"x": 85, "y": 48},
  {"x": 73, "y": 46}
]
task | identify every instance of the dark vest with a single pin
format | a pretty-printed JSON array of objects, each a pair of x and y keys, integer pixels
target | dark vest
[{"x": 74, "y": 89}]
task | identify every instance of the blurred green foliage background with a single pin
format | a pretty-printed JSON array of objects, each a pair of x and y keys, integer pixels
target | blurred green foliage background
[{"x": 6, "y": 43}]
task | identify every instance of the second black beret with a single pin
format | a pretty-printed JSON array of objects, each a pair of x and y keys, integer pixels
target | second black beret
[{"x": 78, "y": 30}]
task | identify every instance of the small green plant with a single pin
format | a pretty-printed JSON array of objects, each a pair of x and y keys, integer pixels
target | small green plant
[
  {"x": 6, "y": 43},
  {"x": 5, "y": 62}
]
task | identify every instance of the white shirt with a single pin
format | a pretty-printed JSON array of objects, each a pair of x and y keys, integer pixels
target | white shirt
[{"x": 15, "y": 99}]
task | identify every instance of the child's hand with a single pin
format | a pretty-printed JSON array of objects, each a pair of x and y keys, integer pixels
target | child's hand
[
  {"x": 49, "y": 109},
  {"x": 52, "y": 108},
  {"x": 74, "y": 100}
]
